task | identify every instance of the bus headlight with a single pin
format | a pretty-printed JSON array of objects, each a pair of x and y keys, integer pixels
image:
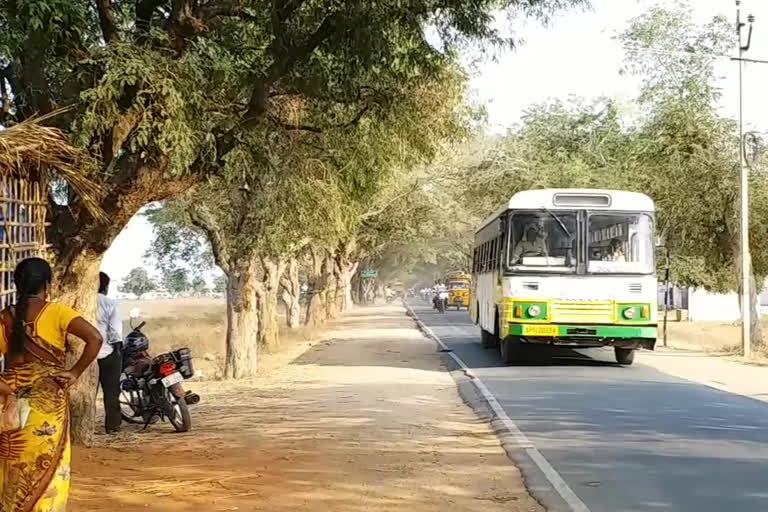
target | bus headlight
[
  {"x": 630, "y": 313},
  {"x": 534, "y": 311}
]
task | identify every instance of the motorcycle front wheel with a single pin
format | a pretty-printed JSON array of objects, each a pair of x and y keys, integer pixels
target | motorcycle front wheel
[{"x": 177, "y": 411}]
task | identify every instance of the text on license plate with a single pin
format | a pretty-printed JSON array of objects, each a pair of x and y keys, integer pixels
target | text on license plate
[
  {"x": 540, "y": 330},
  {"x": 172, "y": 379}
]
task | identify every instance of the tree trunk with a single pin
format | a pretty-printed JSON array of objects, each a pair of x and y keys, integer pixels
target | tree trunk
[
  {"x": 78, "y": 244},
  {"x": 344, "y": 270},
  {"x": 77, "y": 285},
  {"x": 291, "y": 293},
  {"x": 357, "y": 288},
  {"x": 348, "y": 304},
  {"x": 266, "y": 296},
  {"x": 332, "y": 302},
  {"x": 757, "y": 342},
  {"x": 242, "y": 320},
  {"x": 756, "y": 325},
  {"x": 318, "y": 284}
]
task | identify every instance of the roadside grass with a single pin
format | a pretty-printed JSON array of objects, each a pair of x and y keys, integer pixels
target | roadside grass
[
  {"x": 721, "y": 339},
  {"x": 200, "y": 325}
]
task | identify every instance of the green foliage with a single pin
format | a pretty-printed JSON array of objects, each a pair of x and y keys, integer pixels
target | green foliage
[
  {"x": 176, "y": 281},
  {"x": 674, "y": 56},
  {"x": 175, "y": 242},
  {"x": 199, "y": 286},
  {"x": 681, "y": 152},
  {"x": 220, "y": 284},
  {"x": 177, "y": 86},
  {"x": 165, "y": 113},
  {"x": 138, "y": 282}
]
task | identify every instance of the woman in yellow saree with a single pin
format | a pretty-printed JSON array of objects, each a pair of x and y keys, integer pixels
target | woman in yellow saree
[{"x": 34, "y": 461}]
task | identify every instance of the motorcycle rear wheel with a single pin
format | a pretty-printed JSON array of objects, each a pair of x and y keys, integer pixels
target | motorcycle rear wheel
[
  {"x": 130, "y": 410},
  {"x": 177, "y": 411}
]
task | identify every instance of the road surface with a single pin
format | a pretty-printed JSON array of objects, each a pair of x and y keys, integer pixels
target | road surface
[{"x": 624, "y": 439}]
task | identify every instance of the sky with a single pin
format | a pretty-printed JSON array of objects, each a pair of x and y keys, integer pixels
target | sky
[{"x": 574, "y": 55}]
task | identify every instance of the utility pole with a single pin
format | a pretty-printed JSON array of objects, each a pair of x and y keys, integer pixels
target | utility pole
[{"x": 746, "y": 302}]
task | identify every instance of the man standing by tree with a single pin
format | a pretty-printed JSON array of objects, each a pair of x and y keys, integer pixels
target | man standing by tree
[{"x": 110, "y": 357}]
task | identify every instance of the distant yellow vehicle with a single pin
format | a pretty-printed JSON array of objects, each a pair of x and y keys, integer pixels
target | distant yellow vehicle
[{"x": 458, "y": 290}]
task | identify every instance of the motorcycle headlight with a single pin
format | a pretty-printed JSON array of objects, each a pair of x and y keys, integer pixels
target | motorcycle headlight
[{"x": 534, "y": 311}]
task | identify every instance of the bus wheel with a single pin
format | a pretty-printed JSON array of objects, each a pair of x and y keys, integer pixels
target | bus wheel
[
  {"x": 487, "y": 339},
  {"x": 624, "y": 356},
  {"x": 510, "y": 348}
]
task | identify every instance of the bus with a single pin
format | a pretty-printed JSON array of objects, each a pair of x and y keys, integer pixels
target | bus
[
  {"x": 567, "y": 267},
  {"x": 458, "y": 290}
]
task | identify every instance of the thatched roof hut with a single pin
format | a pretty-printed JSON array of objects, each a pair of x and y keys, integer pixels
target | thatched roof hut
[{"x": 30, "y": 153}]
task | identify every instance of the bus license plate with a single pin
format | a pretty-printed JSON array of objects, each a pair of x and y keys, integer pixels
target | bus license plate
[
  {"x": 540, "y": 330},
  {"x": 172, "y": 379}
]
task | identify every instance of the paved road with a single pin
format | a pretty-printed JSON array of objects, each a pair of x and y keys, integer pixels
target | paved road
[{"x": 626, "y": 439}]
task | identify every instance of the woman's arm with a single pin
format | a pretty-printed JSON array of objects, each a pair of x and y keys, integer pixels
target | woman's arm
[{"x": 90, "y": 335}]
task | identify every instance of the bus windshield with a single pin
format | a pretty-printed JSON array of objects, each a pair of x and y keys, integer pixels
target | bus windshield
[
  {"x": 620, "y": 243},
  {"x": 543, "y": 241},
  {"x": 458, "y": 285}
]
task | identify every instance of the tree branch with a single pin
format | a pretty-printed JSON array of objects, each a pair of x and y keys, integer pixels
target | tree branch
[
  {"x": 107, "y": 20},
  {"x": 257, "y": 105},
  {"x": 203, "y": 220},
  {"x": 314, "y": 129}
]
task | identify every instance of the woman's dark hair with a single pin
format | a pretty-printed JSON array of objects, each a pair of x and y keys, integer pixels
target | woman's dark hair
[
  {"x": 31, "y": 276},
  {"x": 103, "y": 283}
]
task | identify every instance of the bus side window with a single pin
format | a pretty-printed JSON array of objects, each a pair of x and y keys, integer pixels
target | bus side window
[
  {"x": 480, "y": 262},
  {"x": 499, "y": 244},
  {"x": 492, "y": 259}
]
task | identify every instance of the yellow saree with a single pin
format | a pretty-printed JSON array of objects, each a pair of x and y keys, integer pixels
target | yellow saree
[{"x": 34, "y": 461}]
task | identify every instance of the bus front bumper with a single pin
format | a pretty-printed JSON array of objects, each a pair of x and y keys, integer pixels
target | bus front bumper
[{"x": 623, "y": 336}]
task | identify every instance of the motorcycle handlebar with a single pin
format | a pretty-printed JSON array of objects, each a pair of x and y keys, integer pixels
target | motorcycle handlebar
[{"x": 142, "y": 324}]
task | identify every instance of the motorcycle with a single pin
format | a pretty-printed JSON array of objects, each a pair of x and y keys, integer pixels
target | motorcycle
[
  {"x": 440, "y": 301},
  {"x": 151, "y": 387}
]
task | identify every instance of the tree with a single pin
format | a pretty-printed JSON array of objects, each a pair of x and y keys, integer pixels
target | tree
[
  {"x": 174, "y": 244},
  {"x": 688, "y": 147},
  {"x": 199, "y": 286},
  {"x": 138, "y": 282},
  {"x": 176, "y": 280},
  {"x": 161, "y": 93}
]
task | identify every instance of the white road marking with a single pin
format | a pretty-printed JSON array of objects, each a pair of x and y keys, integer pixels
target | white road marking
[{"x": 520, "y": 439}]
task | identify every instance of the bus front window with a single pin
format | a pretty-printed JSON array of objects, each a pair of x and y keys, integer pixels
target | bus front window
[
  {"x": 620, "y": 243},
  {"x": 543, "y": 241}
]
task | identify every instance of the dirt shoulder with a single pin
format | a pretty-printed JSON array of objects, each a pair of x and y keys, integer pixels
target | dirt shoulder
[
  {"x": 717, "y": 371},
  {"x": 367, "y": 419}
]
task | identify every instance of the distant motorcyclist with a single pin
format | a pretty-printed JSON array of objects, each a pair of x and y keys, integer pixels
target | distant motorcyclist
[
  {"x": 388, "y": 294},
  {"x": 439, "y": 291}
]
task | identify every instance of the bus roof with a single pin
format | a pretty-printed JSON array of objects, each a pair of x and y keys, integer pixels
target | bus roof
[{"x": 574, "y": 198}]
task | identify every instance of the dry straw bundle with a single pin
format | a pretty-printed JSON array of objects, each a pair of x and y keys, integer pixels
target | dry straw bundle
[{"x": 30, "y": 150}]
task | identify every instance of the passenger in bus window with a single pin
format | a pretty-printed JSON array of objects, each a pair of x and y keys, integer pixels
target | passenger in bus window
[
  {"x": 532, "y": 243},
  {"x": 615, "y": 251}
]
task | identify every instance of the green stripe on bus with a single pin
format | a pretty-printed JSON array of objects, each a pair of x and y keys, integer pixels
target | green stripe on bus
[{"x": 600, "y": 331}]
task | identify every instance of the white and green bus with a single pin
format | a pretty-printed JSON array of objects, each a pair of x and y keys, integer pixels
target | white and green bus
[{"x": 567, "y": 267}]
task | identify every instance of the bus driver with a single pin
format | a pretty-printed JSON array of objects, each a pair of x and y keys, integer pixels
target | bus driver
[{"x": 532, "y": 243}]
